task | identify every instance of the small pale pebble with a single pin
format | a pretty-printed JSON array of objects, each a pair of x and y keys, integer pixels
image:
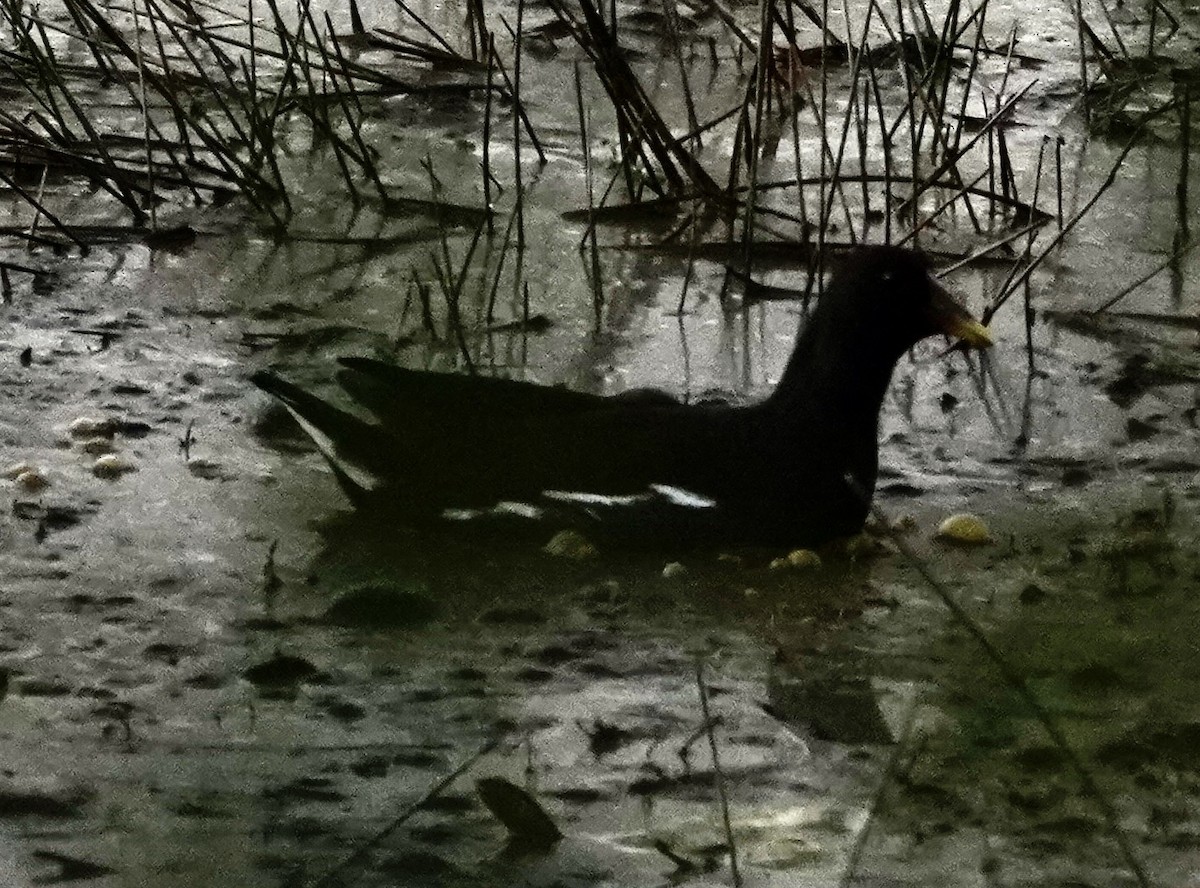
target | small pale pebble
[
  {"x": 570, "y": 544},
  {"x": 32, "y": 481},
  {"x": 112, "y": 466},
  {"x": 964, "y": 529},
  {"x": 98, "y": 446},
  {"x": 797, "y": 559},
  {"x": 864, "y": 545},
  {"x": 91, "y": 427},
  {"x": 673, "y": 569},
  {"x": 17, "y": 469}
]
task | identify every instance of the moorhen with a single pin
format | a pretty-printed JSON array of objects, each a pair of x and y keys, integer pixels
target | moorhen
[{"x": 796, "y": 469}]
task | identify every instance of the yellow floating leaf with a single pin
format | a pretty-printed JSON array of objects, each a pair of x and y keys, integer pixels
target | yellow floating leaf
[
  {"x": 797, "y": 559},
  {"x": 964, "y": 529},
  {"x": 570, "y": 544}
]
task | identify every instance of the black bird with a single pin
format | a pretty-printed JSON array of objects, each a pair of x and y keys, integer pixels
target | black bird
[{"x": 773, "y": 473}]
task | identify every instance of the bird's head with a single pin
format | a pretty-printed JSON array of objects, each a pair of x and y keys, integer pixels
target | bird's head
[{"x": 887, "y": 298}]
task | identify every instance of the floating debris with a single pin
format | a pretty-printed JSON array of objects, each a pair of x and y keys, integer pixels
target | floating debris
[
  {"x": 863, "y": 545},
  {"x": 32, "y": 481},
  {"x": 111, "y": 466},
  {"x": 17, "y": 469},
  {"x": 797, "y": 559},
  {"x": 280, "y": 671},
  {"x": 382, "y": 605},
  {"x": 884, "y": 528},
  {"x": 521, "y": 813},
  {"x": 570, "y": 544},
  {"x": 674, "y": 569},
  {"x": 98, "y": 446},
  {"x": 964, "y": 529},
  {"x": 1032, "y": 594},
  {"x": 91, "y": 427},
  {"x": 209, "y": 470}
]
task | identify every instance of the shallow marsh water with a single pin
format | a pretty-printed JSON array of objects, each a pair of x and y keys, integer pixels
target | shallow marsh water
[{"x": 170, "y": 722}]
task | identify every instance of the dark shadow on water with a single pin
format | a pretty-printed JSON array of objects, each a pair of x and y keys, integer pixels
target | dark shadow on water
[{"x": 504, "y": 574}]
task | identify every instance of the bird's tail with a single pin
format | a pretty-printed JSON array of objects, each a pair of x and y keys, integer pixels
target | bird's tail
[{"x": 353, "y": 447}]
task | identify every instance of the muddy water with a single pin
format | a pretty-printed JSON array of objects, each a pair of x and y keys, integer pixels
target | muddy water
[{"x": 183, "y": 709}]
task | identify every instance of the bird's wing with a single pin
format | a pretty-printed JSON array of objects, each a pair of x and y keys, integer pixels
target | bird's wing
[
  {"x": 403, "y": 396},
  {"x": 445, "y": 441}
]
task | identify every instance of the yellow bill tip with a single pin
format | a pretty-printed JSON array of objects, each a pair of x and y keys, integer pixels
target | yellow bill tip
[
  {"x": 970, "y": 331},
  {"x": 952, "y": 319}
]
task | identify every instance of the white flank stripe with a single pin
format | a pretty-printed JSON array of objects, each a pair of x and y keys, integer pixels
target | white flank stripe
[{"x": 677, "y": 496}]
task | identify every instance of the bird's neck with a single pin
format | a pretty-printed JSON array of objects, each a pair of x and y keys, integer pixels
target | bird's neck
[{"x": 834, "y": 384}]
